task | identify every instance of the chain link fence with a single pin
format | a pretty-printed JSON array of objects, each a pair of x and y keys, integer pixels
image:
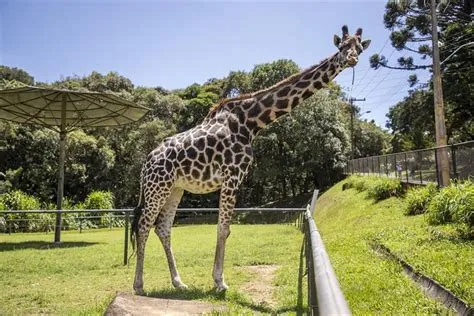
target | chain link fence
[{"x": 417, "y": 166}]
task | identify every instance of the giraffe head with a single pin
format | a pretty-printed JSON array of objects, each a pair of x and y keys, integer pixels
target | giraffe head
[{"x": 350, "y": 47}]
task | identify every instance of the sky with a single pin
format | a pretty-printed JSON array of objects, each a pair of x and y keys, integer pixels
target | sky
[{"x": 177, "y": 43}]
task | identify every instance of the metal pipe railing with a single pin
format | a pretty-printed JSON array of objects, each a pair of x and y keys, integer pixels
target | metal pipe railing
[{"x": 321, "y": 276}]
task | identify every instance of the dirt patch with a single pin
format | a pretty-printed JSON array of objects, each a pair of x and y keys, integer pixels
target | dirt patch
[{"x": 261, "y": 288}]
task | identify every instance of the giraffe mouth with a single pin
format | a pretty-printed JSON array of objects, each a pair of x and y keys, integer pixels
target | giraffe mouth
[{"x": 352, "y": 62}]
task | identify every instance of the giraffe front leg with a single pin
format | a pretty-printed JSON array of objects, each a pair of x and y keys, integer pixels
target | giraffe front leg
[{"x": 226, "y": 209}]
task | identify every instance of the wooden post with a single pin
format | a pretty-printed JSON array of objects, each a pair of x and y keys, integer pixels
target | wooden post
[{"x": 442, "y": 161}]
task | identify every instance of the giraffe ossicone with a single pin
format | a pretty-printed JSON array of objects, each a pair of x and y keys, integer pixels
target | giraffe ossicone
[{"x": 217, "y": 154}]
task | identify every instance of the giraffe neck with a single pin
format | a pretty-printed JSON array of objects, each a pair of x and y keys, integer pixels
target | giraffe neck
[
  {"x": 260, "y": 108},
  {"x": 286, "y": 95}
]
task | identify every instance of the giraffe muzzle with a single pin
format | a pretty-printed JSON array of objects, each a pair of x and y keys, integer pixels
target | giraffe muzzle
[{"x": 352, "y": 61}]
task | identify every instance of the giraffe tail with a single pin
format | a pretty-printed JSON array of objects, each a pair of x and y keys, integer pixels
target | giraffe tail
[{"x": 137, "y": 213}]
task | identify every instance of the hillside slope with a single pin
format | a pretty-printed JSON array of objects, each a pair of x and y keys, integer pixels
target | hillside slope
[{"x": 350, "y": 223}]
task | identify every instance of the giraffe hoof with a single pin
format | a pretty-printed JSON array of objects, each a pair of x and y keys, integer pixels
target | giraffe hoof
[
  {"x": 179, "y": 285},
  {"x": 222, "y": 287},
  {"x": 139, "y": 291}
]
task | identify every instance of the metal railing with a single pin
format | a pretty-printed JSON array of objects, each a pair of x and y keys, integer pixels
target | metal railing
[
  {"x": 417, "y": 166},
  {"x": 324, "y": 293}
]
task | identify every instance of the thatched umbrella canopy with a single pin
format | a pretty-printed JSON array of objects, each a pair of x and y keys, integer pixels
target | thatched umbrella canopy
[{"x": 63, "y": 111}]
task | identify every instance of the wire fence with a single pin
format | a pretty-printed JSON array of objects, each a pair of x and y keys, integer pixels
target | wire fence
[
  {"x": 13, "y": 221},
  {"x": 417, "y": 166}
]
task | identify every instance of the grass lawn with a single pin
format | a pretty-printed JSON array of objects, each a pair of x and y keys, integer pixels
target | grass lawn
[
  {"x": 83, "y": 275},
  {"x": 349, "y": 223}
]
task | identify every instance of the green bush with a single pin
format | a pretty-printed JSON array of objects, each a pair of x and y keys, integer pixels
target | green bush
[
  {"x": 99, "y": 200},
  {"x": 417, "y": 199},
  {"x": 383, "y": 188},
  {"x": 18, "y": 200},
  {"x": 454, "y": 203},
  {"x": 357, "y": 182}
]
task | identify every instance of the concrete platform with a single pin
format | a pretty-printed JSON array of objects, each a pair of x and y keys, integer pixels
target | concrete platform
[{"x": 127, "y": 305}]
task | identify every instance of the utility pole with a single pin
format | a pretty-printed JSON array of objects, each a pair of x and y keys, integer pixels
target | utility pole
[
  {"x": 440, "y": 126},
  {"x": 351, "y": 102}
]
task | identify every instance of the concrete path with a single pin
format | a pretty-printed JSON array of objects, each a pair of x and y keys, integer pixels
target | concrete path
[{"x": 127, "y": 305}]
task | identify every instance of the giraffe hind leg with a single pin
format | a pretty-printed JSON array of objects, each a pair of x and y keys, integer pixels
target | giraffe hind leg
[
  {"x": 164, "y": 222},
  {"x": 147, "y": 219}
]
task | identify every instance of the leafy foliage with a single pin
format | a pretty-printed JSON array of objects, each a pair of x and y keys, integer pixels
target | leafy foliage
[
  {"x": 17, "y": 200},
  {"x": 454, "y": 203},
  {"x": 383, "y": 188},
  {"x": 298, "y": 152},
  {"x": 377, "y": 188},
  {"x": 15, "y": 74},
  {"x": 99, "y": 200},
  {"x": 412, "y": 120},
  {"x": 417, "y": 199}
]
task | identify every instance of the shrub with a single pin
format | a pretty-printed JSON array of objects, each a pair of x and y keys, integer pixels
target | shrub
[
  {"x": 99, "y": 200},
  {"x": 18, "y": 200},
  {"x": 454, "y": 203},
  {"x": 417, "y": 199},
  {"x": 383, "y": 188},
  {"x": 357, "y": 182}
]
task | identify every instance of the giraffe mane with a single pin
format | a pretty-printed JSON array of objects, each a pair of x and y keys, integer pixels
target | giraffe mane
[{"x": 283, "y": 82}]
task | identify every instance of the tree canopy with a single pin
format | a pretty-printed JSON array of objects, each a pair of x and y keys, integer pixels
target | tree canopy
[
  {"x": 303, "y": 150},
  {"x": 412, "y": 120}
]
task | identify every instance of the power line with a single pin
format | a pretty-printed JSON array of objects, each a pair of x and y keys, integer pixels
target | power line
[
  {"x": 367, "y": 71},
  {"x": 375, "y": 74}
]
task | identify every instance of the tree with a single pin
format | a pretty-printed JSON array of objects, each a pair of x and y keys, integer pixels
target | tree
[
  {"x": 369, "y": 139},
  {"x": 17, "y": 74},
  {"x": 412, "y": 122},
  {"x": 411, "y": 33},
  {"x": 268, "y": 74},
  {"x": 237, "y": 83},
  {"x": 199, "y": 102}
]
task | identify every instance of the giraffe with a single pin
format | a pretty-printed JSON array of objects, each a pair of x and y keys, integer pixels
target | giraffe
[{"x": 217, "y": 154}]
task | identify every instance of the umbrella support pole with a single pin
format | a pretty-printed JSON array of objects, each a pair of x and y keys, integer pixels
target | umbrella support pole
[
  {"x": 62, "y": 155},
  {"x": 62, "y": 145}
]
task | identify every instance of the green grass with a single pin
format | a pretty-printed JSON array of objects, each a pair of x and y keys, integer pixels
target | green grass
[
  {"x": 349, "y": 222},
  {"x": 84, "y": 274}
]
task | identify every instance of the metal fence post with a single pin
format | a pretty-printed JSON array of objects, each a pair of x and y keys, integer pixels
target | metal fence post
[
  {"x": 453, "y": 158},
  {"x": 436, "y": 164},
  {"x": 378, "y": 164},
  {"x": 125, "y": 247},
  {"x": 9, "y": 224},
  {"x": 406, "y": 166}
]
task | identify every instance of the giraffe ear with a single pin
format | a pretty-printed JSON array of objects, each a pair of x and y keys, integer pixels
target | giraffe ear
[
  {"x": 365, "y": 44},
  {"x": 337, "y": 40}
]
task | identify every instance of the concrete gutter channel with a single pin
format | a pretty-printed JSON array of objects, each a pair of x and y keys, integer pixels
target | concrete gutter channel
[{"x": 430, "y": 286}]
